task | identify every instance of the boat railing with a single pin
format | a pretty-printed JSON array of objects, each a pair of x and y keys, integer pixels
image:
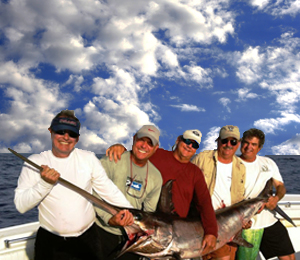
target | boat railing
[
  {"x": 288, "y": 204},
  {"x": 9, "y": 242}
]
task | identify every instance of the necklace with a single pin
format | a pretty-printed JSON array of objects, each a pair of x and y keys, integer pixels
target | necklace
[{"x": 133, "y": 183}]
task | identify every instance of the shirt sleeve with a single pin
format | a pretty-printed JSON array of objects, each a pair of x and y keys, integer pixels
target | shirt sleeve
[
  {"x": 31, "y": 189},
  {"x": 106, "y": 189},
  {"x": 204, "y": 205}
]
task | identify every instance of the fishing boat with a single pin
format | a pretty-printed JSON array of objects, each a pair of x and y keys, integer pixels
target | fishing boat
[{"x": 17, "y": 242}]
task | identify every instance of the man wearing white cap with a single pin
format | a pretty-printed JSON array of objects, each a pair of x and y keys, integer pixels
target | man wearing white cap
[
  {"x": 139, "y": 181},
  {"x": 188, "y": 181},
  {"x": 225, "y": 175}
]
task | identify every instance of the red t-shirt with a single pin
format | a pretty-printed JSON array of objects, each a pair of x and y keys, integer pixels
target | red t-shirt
[{"x": 188, "y": 184}]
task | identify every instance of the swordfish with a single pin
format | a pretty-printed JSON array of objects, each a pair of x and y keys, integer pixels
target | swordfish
[{"x": 165, "y": 236}]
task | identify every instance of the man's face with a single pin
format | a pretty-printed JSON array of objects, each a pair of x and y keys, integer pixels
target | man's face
[
  {"x": 250, "y": 148},
  {"x": 142, "y": 150},
  {"x": 185, "y": 151},
  {"x": 62, "y": 145},
  {"x": 227, "y": 148}
]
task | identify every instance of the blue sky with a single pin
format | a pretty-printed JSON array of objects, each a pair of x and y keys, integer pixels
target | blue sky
[{"x": 176, "y": 64}]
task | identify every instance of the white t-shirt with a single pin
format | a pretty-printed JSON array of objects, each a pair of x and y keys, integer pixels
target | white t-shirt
[
  {"x": 257, "y": 174},
  {"x": 221, "y": 196},
  {"x": 62, "y": 211}
]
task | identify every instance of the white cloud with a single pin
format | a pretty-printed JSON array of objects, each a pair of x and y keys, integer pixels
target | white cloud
[
  {"x": 199, "y": 75},
  {"x": 32, "y": 105},
  {"x": 225, "y": 102},
  {"x": 291, "y": 146},
  {"x": 278, "y": 8},
  {"x": 276, "y": 69},
  {"x": 249, "y": 65},
  {"x": 188, "y": 108},
  {"x": 244, "y": 94},
  {"x": 270, "y": 125},
  {"x": 210, "y": 140}
]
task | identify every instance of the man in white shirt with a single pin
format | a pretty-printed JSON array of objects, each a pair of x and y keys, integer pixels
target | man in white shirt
[
  {"x": 68, "y": 230},
  {"x": 267, "y": 233}
]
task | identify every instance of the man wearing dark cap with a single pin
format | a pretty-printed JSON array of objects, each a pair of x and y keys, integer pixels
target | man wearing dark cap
[
  {"x": 139, "y": 181},
  {"x": 225, "y": 175},
  {"x": 188, "y": 181},
  {"x": 67, "y": 220}
]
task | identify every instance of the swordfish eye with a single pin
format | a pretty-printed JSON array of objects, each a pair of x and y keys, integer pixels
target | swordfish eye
[{"x": 138, "y": 216}]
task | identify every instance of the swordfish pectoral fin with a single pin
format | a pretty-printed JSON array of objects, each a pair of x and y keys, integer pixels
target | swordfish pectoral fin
[{"x": 239, "y": 240}]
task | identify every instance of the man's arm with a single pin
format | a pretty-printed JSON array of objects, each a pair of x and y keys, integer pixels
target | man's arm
[
  {"x": 208, "y": 217},
  {"x": 33, "y": 186},
  {"x": 280, "y": 192},
  {"x": 115, "y": 151}
]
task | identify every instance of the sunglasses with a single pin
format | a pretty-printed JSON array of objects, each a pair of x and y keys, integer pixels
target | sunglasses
[
  {"x": 70, "y": 133},
  {"x": 195, "y": 145},
  {"x": 233, "y": 142}
]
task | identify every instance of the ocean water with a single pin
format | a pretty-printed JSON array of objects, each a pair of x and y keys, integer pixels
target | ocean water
[{"x": 10, "y": 167}]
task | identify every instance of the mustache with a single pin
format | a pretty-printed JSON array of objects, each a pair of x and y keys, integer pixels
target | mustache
[{"x": 228, "y": 148}]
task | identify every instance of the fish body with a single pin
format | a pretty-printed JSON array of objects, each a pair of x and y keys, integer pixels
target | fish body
[{"x": 162, "y": 236}]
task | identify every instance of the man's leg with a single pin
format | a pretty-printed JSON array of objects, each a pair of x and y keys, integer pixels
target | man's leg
[{"x": 276, "y": 242}]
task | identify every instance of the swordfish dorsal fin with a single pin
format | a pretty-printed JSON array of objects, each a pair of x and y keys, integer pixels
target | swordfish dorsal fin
[
  {"x": 267, "y": 191},
  {"x": 165, "y": 203}
]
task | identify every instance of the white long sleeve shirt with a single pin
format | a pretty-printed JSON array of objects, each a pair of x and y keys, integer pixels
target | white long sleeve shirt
[{"x": 61, "y": 210}]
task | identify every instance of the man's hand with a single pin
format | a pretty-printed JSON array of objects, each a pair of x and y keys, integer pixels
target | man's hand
[
  {"x": 122, "y": 218},
  {"x": 49, "y": 175},
  {"x": 208, "y": 244},
  {"x": 115, "y": 151},
  {"x": 272, "y": 202},
  {"x": 247, "y": 225}
]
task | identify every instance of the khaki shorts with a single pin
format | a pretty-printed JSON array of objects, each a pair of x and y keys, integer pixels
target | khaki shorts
[{"x": 223, "y": 251}]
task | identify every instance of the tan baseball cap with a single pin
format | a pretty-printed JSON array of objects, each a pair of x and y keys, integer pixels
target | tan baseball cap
[
  {"x": 229, "y": 131},
  {"x": 149, "y": 131},
  {"x": 193, "y": 134}
]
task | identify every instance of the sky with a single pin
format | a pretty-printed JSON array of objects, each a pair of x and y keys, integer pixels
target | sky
[{"x": 121, "y": 64}]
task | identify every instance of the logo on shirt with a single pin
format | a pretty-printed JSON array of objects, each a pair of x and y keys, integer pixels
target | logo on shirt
[{"x": 134, "y": 184}]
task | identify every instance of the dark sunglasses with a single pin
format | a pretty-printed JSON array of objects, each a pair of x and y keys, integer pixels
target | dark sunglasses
[
  {"x": 233, "y": 142},
  {"x": 195, "y": 145},
  {"x": 63, "y": 132}
]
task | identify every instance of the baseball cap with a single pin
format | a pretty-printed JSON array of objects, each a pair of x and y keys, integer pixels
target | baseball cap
[
  {"x": 65, "y": 123},
  {"x": 193, "y": 134},
  {"x": 229, "y": 131},
  {"x": 149, "y": 131}
]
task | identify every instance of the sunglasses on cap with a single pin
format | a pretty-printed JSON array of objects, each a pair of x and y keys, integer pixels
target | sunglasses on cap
[
  {"x": 63, "y": 132},
  {"x": 195, "y": 145},
  {"x": 233, "y": 142}
]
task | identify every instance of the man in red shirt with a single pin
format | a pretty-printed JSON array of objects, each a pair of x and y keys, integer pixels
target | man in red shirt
[{"x": 188, "y": 181}]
